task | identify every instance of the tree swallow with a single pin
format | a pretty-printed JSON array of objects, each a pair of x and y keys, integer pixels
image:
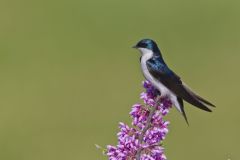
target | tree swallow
[{"x": 165, "y": 80}]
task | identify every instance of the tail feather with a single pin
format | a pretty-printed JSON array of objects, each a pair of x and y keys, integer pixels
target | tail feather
[
  {"x": 204, "y": 101},
  {"x": 197, "y": 97},
  {"x": 180, "y": 102}
]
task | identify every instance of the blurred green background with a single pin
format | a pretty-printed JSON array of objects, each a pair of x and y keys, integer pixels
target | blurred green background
[{"x": 68, "y": 74}]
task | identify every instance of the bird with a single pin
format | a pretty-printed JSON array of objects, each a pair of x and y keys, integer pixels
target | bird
[{"x": 168, "y": 83}]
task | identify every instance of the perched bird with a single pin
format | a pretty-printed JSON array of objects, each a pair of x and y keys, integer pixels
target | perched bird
[{"x": 165, "y": 80}]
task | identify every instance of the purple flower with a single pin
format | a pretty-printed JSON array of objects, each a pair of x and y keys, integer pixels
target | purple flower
[
  {"x": 143, "y": 140},
  {"x": 155, "y": 135},
  {"x": 139, "y": 115}
]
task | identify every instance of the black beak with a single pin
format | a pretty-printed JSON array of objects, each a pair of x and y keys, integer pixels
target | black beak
[{"x": 134, "y": 46}]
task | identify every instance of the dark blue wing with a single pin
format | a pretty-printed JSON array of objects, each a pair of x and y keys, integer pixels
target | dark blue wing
[{"x": 162, "y": 73}]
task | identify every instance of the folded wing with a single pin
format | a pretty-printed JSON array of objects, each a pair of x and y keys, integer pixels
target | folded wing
[{"x": 174, "y": 84}]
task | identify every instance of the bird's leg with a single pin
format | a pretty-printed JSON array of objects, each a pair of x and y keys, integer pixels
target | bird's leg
[{"x": 159, "y": 97}]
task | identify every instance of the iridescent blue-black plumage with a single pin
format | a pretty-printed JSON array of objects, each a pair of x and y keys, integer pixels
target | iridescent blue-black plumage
[
  {"x": 161, "y": 72},
  {"x": 149, "y": 44},
  {"x": 173, "y": 82}
]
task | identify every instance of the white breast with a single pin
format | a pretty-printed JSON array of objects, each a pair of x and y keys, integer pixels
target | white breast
[{"x": 146, "y": 55}]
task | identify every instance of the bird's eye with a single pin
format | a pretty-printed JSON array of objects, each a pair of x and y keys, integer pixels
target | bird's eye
[{"x": 143, "y": 45}]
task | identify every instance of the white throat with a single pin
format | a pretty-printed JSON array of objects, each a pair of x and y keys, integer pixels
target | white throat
[{"x": 146, "y": 53}]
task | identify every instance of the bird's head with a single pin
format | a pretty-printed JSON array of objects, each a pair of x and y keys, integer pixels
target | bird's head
[{"x": 147, "y": 44}]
